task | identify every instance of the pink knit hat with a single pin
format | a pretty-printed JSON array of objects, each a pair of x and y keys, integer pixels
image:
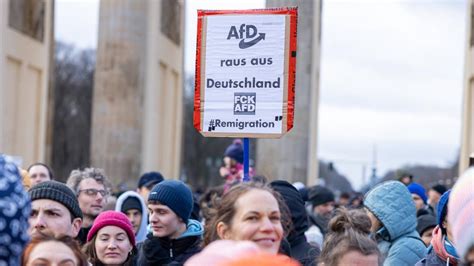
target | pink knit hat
[
  {"x": 113, "y": 218},
  {"x": 461, "y": 212}
]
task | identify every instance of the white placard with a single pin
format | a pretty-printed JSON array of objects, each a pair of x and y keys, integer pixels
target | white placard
[{"x": 244, "y": 76}]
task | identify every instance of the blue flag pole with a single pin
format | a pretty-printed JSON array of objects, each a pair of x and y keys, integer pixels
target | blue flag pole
[{"x": 246, "y": 160}]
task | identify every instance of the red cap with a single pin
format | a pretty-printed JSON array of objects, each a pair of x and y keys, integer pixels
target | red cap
[{"x": 113, "y": 218}]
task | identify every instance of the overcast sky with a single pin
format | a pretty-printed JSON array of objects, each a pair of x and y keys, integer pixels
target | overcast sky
[{"x": 391, "y": 76}]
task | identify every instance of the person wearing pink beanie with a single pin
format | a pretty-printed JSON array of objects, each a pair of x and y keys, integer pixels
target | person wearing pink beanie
[
  {"x": 461, "y": 216},
  {"x": 111, "y": 240}
]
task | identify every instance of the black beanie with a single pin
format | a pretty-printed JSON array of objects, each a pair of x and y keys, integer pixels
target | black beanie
[
  {"x": 425, "y": 222},
  {"x": 59, "y": 192},
  {"x": 319, "y": 195},
  {"x": 131, "y": 203},
  {"x": 439, "y": 188}
]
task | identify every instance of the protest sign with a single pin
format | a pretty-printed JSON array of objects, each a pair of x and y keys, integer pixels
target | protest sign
[{"x": 245, "y": 72}]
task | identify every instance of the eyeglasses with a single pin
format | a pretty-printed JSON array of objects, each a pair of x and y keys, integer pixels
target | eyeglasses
[{"x": 93, "y": 192}]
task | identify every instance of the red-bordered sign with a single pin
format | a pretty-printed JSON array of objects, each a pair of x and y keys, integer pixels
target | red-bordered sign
[{"x": 245, "y": 72}]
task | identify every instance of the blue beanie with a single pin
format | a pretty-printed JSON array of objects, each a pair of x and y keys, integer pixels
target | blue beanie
[
  {"x": 442, "y": 208},
  {"x": 15, "y": 208},
  {"x": 235, "y": 151},
  {"x": 174, "y": 194},
  {"x": 417, "y": 189}
]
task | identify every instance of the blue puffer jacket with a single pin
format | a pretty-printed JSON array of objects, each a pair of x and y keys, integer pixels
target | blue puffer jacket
[{"x": 397, "y": 240}]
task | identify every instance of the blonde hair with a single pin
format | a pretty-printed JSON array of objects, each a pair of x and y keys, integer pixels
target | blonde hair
[{"x": 25, "y": 178}]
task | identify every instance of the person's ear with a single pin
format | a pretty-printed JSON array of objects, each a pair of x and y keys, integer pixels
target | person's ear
[
  {"x": 76, "y": 226},
  {"x": 222, "y": 230}
]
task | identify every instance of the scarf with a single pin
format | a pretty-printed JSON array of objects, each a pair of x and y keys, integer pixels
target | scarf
[{"x": 438, "y": 243}]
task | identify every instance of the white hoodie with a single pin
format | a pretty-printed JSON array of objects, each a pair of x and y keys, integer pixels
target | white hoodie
[{"x": 142, "y": 230}]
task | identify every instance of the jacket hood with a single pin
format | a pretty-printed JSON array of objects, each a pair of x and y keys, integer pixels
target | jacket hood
[
  {"x": 142, "y": 231},
  {"x": 392, "y": 204},
  {"x": 295, "y": 203},
  {"x": 194, "y": 228}
]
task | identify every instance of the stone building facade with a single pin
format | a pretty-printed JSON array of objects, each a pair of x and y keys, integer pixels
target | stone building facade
[{"x": 26, "y": 30}]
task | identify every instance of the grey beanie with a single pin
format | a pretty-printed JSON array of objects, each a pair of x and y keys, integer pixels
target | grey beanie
[{"x": 59, "y": 192}]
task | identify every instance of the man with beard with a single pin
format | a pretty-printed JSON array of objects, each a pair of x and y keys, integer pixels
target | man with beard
[
  {"x": 55, "y": 210},
  {"x": 322, "y": 200},
  {"x": 91, "y": 187}
]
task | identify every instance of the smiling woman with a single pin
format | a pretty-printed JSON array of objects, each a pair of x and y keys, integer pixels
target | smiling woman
[{"x": 239, "y": 218}]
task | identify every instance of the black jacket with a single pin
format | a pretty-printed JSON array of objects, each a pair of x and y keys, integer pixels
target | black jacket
[
  {"x": 300, "y": 249},
  {"x": 156, "y": 251},
  {"x": 82, "y": 235}
]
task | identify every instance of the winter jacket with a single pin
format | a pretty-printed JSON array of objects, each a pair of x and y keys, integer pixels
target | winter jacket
[
  {"x": 82, "y": 235},
  {"x": 432, "y": 259},
  {"x": 318, "y": 229},
  {"x": 314, "y": 235},
  {"x": 307, "y": 254},
  {"x": 397, "y": 240},
  {"x": 155, "y": 251},
  {"x": 300, "y": 249},
  {"x": 142, "y": 231},
  {"x": 437, "y": 254}
]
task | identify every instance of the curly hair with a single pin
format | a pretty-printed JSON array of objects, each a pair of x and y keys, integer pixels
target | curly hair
[{"x": 76, "y": 177}]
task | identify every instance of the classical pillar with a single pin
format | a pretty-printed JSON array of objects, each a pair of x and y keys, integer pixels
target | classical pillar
[
  {"x": 467, "y": 141},
  {"x": 136, "y": 121},
  {"x": 294, "y": 156}
]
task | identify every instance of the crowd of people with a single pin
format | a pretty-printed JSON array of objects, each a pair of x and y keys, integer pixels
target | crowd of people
[{"x": 261, "y": 222}]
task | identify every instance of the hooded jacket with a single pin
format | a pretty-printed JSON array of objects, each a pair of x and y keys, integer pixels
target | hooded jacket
[
  {"x": 397, "y": 240},
  {"x": 142, "y": 231},
  {"x": 164, "y": 251},
  {"x": 300, "y": 249}
]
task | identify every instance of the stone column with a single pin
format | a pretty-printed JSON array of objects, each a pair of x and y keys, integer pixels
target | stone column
[
  {"x": 294, "y": 156},
  {"x": 117, "y": 109},
  {"x": 467, "y": 141},
  {"x": 137, "y": 105}
]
